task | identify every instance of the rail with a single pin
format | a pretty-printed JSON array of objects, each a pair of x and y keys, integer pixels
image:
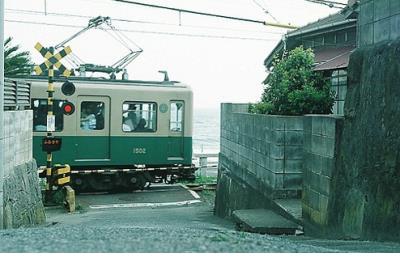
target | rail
[
  {"x": 205, "y": 166},
  {"x": 17, "y": 94}
]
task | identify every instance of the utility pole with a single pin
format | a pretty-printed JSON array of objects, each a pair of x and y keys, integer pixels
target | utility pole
[{"x": 1, "y": 114}]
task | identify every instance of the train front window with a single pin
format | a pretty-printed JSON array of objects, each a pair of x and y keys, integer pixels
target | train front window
[
  {"x": 176, "y": 119},
  {"x": 39, "y": 107},
  {"x": 92, "y": 115},
  {"x": 139, "y": 116}
]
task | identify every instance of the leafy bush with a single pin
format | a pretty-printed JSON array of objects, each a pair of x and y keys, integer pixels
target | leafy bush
[{"x": 293, "y": 88}]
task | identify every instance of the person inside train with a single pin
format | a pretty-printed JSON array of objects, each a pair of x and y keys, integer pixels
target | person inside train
[
  {"x": 88, "y": 118},
  {"x": 141, "y": 125},
  {"x": 129, "y": 122}
]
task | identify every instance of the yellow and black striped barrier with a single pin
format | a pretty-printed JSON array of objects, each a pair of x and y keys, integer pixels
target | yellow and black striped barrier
[{"x": 61, "y": 174}]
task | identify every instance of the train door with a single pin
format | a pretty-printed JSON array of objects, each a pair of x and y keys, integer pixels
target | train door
[
  {"x": 93, "y": 128},
  {"x": 176, "y": 130}
]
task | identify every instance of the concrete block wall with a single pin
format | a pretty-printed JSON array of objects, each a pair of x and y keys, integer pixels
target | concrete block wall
[
  {"x": 379, "y": 21},
  {"x": 22, "y": 200},
  {"x": 17, "y": 139},
  {"x": 264, "y": 152},
  {"x": 321, "y": 144}
]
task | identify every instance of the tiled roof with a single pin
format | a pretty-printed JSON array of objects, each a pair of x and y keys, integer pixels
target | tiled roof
[
  {"x": 334, "y": 18},
  {"x": 332, "y": 58},
  {"x": 345, "y": 16}
]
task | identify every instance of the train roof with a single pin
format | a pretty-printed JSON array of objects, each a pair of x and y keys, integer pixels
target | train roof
[{"x": 95, "y": 80}]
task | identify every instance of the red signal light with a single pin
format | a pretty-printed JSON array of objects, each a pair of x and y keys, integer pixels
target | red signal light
[{"x": 68, "y": 108}]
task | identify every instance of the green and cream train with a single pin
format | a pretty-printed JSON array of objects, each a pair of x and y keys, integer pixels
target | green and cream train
[{"x": 122, "y": 133}]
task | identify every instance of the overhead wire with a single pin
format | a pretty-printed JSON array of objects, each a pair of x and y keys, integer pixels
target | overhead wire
[
  {"x": 248, "y": 20},
  {"x": 331, "y": 4},
  {"x": 145, "y": 32},
  {"x": 190, "y": 11},
  {"x": 265, "y": 10},
  {"x": 32, "y": 12}
]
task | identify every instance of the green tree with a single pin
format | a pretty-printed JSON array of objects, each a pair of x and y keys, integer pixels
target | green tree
[
  {"x": 16, "y": 62},
  {"x": 293, "y": 88}
]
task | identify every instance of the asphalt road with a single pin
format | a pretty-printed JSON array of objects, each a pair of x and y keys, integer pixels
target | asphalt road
[{"x": 161, "y": 219}]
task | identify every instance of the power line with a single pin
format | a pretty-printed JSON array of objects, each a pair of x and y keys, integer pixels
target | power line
[
  {"x": 331, "y": 4},
  {"x": 190, "y": 11},
  {"x": 32, "y": 12},
  {"x": 264, "y": 10},
  {"x": 207, "y": 14},
  {"x": 145, "y": 32}
]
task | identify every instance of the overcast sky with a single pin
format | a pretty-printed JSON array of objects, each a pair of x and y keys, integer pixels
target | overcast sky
[{"x": 201, "y": 52}]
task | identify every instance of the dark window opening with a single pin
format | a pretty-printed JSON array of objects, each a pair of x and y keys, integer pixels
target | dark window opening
[
  {"x": 139, "y": 116},
  {"x": 176, "y": 119},
  {"x": 39, "y": 107},
  {"x": 339, "y": 86},
  {"x": 92, "y": 115}
]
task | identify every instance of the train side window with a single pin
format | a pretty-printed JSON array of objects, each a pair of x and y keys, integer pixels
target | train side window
[
  {"x": 139, "y": 116},
  {"x": 176, "y": 119},
  {"x": 92, "y": 115},
  {"x": 39, "y": 107}
]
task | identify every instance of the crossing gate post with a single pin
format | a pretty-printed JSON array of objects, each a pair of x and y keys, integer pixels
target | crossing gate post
[
  {"x": 50, "y": 126},
  {"x": 60, "y": 174}
]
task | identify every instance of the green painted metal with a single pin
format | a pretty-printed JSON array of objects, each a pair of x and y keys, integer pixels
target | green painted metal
[{"x": 123, "y": 151}]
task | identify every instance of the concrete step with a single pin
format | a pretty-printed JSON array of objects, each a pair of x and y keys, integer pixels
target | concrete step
[
  {"x": 289, "y": 208},
  {"x": 263, "y": 221}
]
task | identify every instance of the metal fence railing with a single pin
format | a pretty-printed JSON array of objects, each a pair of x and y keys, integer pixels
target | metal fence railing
[{"x": 17, "y": 94}]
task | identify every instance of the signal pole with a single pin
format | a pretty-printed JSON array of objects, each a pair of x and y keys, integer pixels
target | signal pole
[
  {"x": 57, "y": 175},
  {"x": 50, "y": 126}
]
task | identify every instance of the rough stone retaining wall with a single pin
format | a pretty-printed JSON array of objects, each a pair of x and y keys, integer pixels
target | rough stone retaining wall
[
  {"x": 260, "y": 155},
  {"x": 366, "y": 196},
  {"x": 379, "y": 21},
  {"x": 321, "y": 144},
  {"x": 22, "y": 195},
  {"x": 367, "y": 202}
]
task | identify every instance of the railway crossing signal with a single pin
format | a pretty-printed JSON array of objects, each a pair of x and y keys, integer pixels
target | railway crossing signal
[
  {"x": 68, "y": 108},
  {"x": 51, "y": 144},
  {"x": 68, "y": 88},
  {"x": 59, "y": 174},
  {"x": 52, "y": 60}
]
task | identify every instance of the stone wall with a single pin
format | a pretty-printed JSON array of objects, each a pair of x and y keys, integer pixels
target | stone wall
[
  {"x": 367, "y": 178},
  {"x": 379, "y": 21},
  {"x": 366, "y": 196},
  {"x": 22, "y": 194},
  {"x": 260, "y": 154},
  {"x": 321, "y": 143}
]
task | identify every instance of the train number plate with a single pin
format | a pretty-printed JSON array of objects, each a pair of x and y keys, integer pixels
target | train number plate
[{"x": 139, "y": 150}]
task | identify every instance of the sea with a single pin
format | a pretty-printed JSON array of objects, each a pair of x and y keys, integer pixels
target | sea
[{"x": 206, "y": 130}]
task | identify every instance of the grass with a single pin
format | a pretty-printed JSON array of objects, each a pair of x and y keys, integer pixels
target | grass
[
  {"x": 208, "y": 196},
  {"x": 202, "y": 180},
  {"x": 205, "y": 180}
]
